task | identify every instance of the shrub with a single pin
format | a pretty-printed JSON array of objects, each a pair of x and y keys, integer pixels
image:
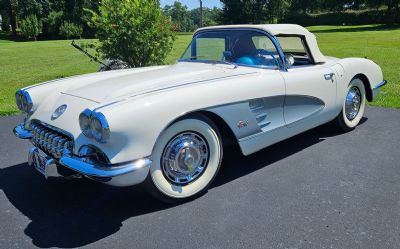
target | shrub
[
  {"x": 52, "y": 23},
  {"x": 69, "y": 30},
  {"x": 341, "y": 18},
  {"x": 31, "y": 27},
  {"x": 134, "y": 31}
]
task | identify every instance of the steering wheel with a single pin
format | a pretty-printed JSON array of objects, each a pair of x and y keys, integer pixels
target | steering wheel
[{"x": 263, "y": 52}]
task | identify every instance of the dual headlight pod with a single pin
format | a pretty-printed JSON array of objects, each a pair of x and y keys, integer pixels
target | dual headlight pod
[
  {"x": 24, "y": 101},
  {"x": 94, "y": 125}
]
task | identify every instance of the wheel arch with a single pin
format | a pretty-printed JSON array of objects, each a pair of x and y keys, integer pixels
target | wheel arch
[
  {"x": 365, "y": 70},
  {"x": 367, "y": 85},
  {"x": 227, "y": 136}
]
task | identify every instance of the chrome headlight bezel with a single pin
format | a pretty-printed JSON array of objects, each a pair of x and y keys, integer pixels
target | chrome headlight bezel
[
  {"x": 84, "y": 123},
  {"x": 24, "y": 101},
  {"x": 94, "y": 125}
]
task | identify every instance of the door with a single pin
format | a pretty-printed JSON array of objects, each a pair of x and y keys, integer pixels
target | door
[{"x": 310, "y": 95}]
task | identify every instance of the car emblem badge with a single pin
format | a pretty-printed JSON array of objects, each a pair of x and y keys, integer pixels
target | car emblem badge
[
  {"x": 242, "y": 124},
  {"x": 58, "y": 112}
]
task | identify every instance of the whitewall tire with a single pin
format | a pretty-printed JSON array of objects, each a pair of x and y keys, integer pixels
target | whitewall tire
[
  {"x": 353, "y": 106},
  {"x": 186, "y": 159}
]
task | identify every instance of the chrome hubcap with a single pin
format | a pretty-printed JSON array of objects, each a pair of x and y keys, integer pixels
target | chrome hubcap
[
  {"x": 353, "y": 103},
  {"x": 185, "y": 158}
]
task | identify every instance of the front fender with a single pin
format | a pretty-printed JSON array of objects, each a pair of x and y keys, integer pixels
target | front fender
[{"x": 367, "y": 70}]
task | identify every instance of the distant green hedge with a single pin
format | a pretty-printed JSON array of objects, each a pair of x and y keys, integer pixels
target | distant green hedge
[{"x": 342, "y": 18}]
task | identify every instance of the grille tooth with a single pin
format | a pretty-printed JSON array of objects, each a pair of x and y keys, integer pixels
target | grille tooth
[{"x": 50, "y": 140}]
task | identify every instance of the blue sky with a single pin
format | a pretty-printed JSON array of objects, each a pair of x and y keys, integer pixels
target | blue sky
[{"x": 193, "y": 3}]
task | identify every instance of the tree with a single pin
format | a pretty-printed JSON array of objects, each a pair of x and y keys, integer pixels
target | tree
[
  {"x": 9, "y": 8},
  {"x": 69, "y": 30},
  {"x": 210, "y": 16},
  {"x": 252, "y": 11},
  {"x": 241, "y": 12},
  {"x": 393, "y": 8},
  {"x": 180, "y": 16},
  {"x": 52, "y": 23},
  {"x": 276, "y": 9},
  {"x": 134, "y": 31},
  {"x": 26, "y": 8},
  {"x": 31, "y": 27}
]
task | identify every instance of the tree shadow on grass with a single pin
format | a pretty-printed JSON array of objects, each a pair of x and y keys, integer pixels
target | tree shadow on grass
[
  {"x": 359, "y": 29},
  {"x": 8, "y": 36},
  {"x": 76, "y": 213}
]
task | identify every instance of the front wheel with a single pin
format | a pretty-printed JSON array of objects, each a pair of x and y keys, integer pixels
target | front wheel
[
  {"x": 353, "y": 106},
  {"x": 186, "y": 159}
]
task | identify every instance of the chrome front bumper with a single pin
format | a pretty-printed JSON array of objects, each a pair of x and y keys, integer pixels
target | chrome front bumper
[
  {"x": 20, "y": 132},
  {"x": 377, "y": 89},
  {"x": 120, "y": 175}
]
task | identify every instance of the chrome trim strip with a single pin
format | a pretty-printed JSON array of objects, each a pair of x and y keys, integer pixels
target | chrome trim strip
[
  {"x": 377, "y": 88},
  {"x": 76, "y": 96},
  {"x": 380, "y": 85},
  {"x": 48, "y": 82},
  {"x": 21, "y": 132}
]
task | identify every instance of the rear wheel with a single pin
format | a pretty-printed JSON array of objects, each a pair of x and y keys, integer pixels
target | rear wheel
[
  {"x": 353, "y": 106},
  {"x": 186, "y": 159}
]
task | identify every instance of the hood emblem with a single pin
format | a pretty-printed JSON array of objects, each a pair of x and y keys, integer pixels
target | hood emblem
[{"x": 58, "y": 112}]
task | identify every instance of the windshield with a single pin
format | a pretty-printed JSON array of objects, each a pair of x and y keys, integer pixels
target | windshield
[{"x": 241, "y": 47}]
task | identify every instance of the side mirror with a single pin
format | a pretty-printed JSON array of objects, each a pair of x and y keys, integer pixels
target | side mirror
[
  {"x": 289, "y": 60},
  {"x": 227, "y": 55}
]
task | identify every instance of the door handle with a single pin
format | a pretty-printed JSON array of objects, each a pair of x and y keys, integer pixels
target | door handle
[{"x": 329, "y": 76}]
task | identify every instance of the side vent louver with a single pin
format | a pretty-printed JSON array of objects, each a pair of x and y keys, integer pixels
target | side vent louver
[{"x": 259, "y": 111}]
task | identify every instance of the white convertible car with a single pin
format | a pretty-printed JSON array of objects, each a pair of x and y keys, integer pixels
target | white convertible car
[{"x": 165, "y": 126}]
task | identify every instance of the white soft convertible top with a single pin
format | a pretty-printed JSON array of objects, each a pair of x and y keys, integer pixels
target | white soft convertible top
[{"x": 283, "y": 29}]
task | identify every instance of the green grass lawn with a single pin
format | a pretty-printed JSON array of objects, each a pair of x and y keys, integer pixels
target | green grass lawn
[{"x": 26, "y": 63}]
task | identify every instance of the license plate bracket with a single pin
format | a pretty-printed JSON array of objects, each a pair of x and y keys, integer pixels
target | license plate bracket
[
  {"x": 44, "y": 164},
  {"x": 39, "y": 161}
]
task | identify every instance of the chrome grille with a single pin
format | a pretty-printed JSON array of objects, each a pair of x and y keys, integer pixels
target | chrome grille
[{"x": 50, "y": 140}]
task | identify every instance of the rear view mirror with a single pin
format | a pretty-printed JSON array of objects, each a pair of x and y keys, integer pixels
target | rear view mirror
[{"x": 228, "y": 55}]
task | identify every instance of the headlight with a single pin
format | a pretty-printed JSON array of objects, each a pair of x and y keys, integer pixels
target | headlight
[
  {"x": 84, "y": 123},
  {"x": 94, "y": 125},
  {"x": 24, "y": 101}
]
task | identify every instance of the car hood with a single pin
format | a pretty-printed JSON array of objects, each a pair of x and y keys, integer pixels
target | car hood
[{"x": 102, "y": 87}]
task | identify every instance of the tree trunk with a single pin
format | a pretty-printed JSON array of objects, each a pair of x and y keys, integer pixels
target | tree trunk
[
  {"x": 390, "y": 15},
  {"x": 13, "y": 19}
]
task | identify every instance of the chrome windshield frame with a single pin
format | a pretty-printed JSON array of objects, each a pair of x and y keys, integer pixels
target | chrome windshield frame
[{"x": 274, "y": 39}]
